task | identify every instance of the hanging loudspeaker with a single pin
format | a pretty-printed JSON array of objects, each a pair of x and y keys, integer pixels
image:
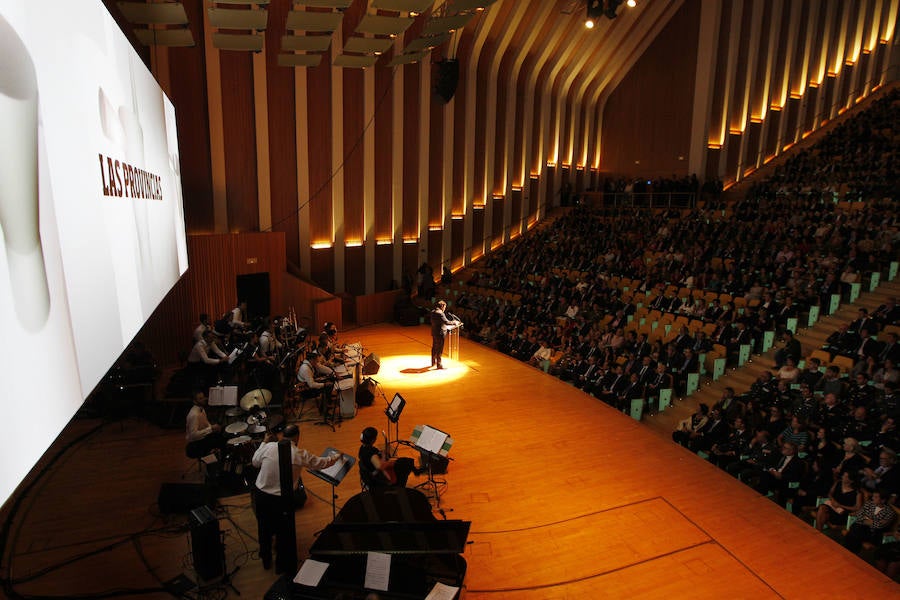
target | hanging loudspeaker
[{"x": 446, "y": 79}]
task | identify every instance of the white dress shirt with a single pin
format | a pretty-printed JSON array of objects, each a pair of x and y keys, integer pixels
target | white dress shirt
[
  {"x": 198, "y": 426},
  {"x": 266, "y": 460}
]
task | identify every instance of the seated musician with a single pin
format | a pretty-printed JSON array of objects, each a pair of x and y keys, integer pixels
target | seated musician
[
  {"x": 207, "y": 368},
  {"x": 328, "y": 348},
  {"x": 202, "y": 437},
  {"x": 268, "y": 340},
  {"x": 319, "y": 379},
  {"x": 376, "y": 471}
]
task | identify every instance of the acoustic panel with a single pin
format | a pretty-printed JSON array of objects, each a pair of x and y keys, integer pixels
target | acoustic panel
[
  {"x": 426, "y": 43},
  {"x": 347, "y": 60},
  {"x": 418, "y": 6},
  {"x": 439, "y": 25},
  {"x": 176, "y": 38},
  {"x": 231, "y": 18},
  {"x": 380, "y": 25},
  {"x": 313, "y": 21},
  {"x": 367, "y": 45},
  {"x": 235, "y": 41},
  {"x": 405, "y": 59},
  {"x": 457, "y": 6},
  {"x": 153, "y": 14},
  {"x": 307, "y": 43},
  {"x": 299, "y": 60}
]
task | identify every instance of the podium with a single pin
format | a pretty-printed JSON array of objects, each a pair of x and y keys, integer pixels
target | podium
[{"x": 452, "y": 345}]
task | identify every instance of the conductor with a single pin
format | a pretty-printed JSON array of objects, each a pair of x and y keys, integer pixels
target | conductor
[{"x": 440, "y": 324}]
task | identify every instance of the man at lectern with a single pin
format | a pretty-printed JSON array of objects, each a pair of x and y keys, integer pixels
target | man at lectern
[{"x": 440, "y": 325}]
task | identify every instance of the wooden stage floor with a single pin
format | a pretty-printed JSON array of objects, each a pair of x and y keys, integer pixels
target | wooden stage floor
[{"x": 568, "y": 498}]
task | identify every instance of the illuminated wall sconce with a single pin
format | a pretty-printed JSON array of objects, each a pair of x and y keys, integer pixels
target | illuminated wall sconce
[
  {"x": 579, "y": 167},
  {"x": 353, "y": 244},
  {"x": 551, "y": 164},
  {"x": 714, "y": 145},
  {"x": 534, "y": 176},
  {"x": 435, "y": 228},
  {"x": 384, "y": 242},
  {"x": 457, "y": 217},
  {"x": 497, "y": 196},
  {"x": 410, "y": 240},
  {"x": 756, "y": 119},
  {"x": 775, "y": 107},
  {"x": 517, "y": 188},
  {"x": 735, "y": 131},
  {"x": 478, "y": 206},
  {"x": 321, "y": 245}
]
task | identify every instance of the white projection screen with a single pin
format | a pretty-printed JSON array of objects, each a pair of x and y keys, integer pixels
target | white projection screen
[{"x": 91, "y": 217}]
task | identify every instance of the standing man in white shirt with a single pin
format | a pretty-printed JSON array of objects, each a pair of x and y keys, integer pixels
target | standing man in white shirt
[{"x": 272, "y": 511}]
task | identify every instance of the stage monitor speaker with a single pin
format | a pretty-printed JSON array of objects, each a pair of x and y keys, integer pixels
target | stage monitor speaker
[
  {"x": 365, "y": 393},
  {"x": 207, "y": 550},
  {"x": 371, "y": 365},
  {"x": 446, "y": 79}
]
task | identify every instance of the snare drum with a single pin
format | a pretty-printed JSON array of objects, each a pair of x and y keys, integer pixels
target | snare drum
[
  {"x": 256, "y": 429},
  {"x": 240, "y": 449},
  {"x": 237, "y": 428},
  {"x": 233, "y": 414}
]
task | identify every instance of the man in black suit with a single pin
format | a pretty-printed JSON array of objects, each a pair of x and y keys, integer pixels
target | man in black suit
[
  {"x": 888, "y": 313},
  {"x": 843, "y": 342},
  {"x": 439, "y": 325},
  {"x": 778, "y": 479},
  {"x": 791, "y": 349},
  {"x": 864, "y": 322},
  {"x": 889, "y": 350}
]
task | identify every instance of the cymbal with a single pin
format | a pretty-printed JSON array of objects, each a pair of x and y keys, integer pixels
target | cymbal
[{"x": 258, "y": 397}]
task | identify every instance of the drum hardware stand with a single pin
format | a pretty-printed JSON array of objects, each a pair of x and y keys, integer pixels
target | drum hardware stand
[
  {"x": 432, "y": 485},
  {"x": 331, "y": 415}
]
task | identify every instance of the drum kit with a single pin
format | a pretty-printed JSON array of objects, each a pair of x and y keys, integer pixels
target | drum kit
[{"x": 247, "y": 423}]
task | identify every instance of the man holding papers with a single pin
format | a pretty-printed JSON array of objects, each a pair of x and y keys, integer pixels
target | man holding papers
[{"x": 271, "y": 512}]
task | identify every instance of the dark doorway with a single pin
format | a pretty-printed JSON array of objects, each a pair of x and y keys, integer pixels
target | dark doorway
[{"x": 254, "y": 290}]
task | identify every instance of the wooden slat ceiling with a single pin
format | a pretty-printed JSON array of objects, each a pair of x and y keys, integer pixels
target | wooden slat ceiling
[{"x": 540, "y": 34}]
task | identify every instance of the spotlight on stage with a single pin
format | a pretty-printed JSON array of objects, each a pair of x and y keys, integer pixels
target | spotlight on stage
[{"x": 411, "y": 371}]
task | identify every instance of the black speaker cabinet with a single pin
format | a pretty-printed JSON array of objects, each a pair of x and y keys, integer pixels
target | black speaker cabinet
[
  {"x": 371, "y": 365},
  {"x": 207, "y": 549}
]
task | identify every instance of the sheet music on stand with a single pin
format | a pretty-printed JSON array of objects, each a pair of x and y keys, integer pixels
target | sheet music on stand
[
  {"x": 435, "y": 441},
  {"x": 353, "y": 353},
  {"x": 223, "y": 395},
  {"x": 335, "y": 473}
]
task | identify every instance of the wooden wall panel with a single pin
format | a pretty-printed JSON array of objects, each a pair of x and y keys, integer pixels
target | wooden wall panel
[
  {"x": 240, "y": 140},
  {"x": 654, "y": 128},
  {"x": 304, "y": 298},
  {"x": 384, "y": 151},
  {"x": 282, "y": 120},
  {"x": 457, "y": 245},
  {"x": 384, "y": 268},
  {"x": 478, "y": 241},
  {"x": 435, "y": 161},
  {"x": 318, "y": 118},
  {"x": 187, "y": 72},
  {"x": 355, "y": 269},
  {"x": 209, "y": 286},
  {"x": 410, "y": 260},
  {"x": 435, "y": 239},
  {"x": 322, "y": 270},
  {"x": 410, "y": 158},
  {"x": 376, "y": 308},
  {"x": 354, "y": 125}
]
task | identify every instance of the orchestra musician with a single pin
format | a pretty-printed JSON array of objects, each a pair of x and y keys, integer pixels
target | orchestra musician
[
  {"x": 317, "y": 376},
  {"x": 202, "y": 437},
  {"x": 328, "y": 348},
  {"x": 376, "y": 469}
]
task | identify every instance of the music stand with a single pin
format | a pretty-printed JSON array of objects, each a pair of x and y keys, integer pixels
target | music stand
[
  {"x": 433, "y": 444},
  {"x": 393, "y": 412},
  {"x": 334, "y": 474}
]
